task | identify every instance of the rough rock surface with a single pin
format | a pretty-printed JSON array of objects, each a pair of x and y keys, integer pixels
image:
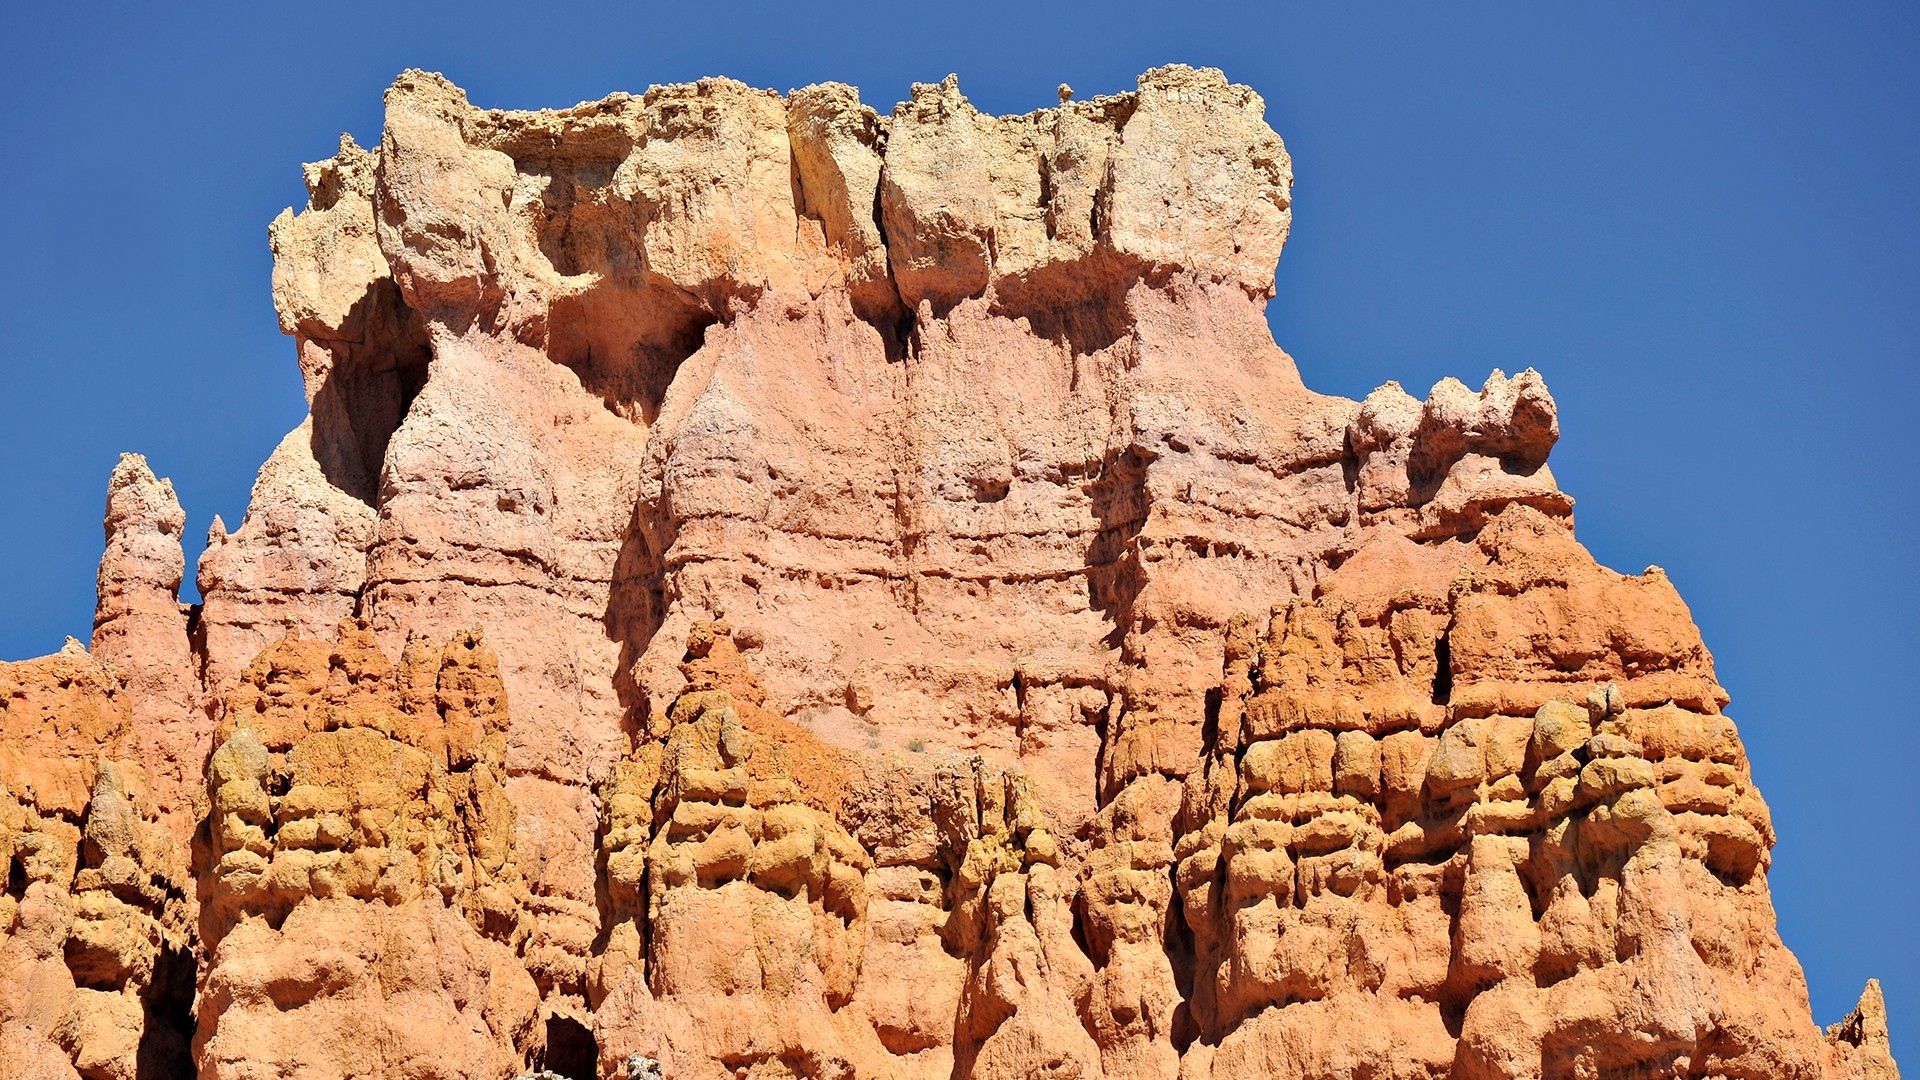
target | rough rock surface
[
  {"x": 96, "y": 961},
  {"x": 360, "y": 903},
  {"x": 770, "y": 589}
]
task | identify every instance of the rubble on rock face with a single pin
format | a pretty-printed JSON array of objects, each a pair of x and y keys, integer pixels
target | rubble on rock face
[{"x": 771, "y": 589}]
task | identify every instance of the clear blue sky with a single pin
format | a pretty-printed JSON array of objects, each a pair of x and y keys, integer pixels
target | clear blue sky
[{"x": 1702, "y": 225}]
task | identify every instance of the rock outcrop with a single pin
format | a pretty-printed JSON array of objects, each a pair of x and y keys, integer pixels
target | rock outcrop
[
  {"x": 771, "y": 589},
  {"x": 96, "y": 960},
  {"x": 360, "y": 904}
]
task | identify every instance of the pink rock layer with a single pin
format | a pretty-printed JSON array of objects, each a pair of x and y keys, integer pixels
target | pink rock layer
[{"x": 767, "y": 589}]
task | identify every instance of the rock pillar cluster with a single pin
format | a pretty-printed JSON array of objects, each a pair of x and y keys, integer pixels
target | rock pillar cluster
[{"x": 771, "y": 589}]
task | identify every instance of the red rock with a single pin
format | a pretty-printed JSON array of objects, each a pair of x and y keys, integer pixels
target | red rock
[{"x": 771, "y": 589}]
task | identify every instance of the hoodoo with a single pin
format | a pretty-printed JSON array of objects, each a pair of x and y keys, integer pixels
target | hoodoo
[{"x": 772, "y": 589}]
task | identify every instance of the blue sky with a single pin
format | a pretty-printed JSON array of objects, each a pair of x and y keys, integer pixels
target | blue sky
[{"x": 1698, "y": 221}]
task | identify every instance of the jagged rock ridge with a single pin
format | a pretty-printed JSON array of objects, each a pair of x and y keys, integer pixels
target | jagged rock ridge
[{"x": 769, "y": 589}]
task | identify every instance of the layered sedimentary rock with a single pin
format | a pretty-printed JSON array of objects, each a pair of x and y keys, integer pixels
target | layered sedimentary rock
[{"x": 771, "y": 589}]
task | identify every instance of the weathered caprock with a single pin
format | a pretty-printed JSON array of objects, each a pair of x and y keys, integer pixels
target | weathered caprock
[{"x": 769, "y": 589}]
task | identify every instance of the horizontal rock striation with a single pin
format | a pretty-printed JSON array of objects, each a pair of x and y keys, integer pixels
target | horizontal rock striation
[{"x": 771, "y": 589}]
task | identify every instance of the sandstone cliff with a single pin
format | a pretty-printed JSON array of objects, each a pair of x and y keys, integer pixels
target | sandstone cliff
[{"x": 777, "y": 590}]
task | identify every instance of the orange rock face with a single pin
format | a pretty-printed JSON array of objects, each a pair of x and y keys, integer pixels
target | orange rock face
[
  {"x": 767, "y": 589},
  {"x": 96, "y": 952}
]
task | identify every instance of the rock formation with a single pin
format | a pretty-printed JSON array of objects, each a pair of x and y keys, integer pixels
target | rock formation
[
  {"x": 96, "y": 961},
  {"x": 770, "y": 589},
  {"x": 359, "y": 878}
]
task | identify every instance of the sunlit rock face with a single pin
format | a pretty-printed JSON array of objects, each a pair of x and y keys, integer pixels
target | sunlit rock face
[
  {"x": 96, "y": 962},
  {"x": 767, "y": 588},
  {"x": 358, "y": 875}
]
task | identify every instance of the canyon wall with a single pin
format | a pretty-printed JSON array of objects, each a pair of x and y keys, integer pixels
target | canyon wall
[{"x": 770, "y": 589}]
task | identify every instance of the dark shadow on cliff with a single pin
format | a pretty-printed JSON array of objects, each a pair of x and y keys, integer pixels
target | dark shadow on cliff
[
  {"x": 1079, "y": 305},
  {"x": 637, "y": 605},
  {"x": 166, "y": 1040},
  {"x": 1115, "y": 575},
  {"x": 625, "y": 343},
  {"x": 622, "y": 329},
  {"x": 377, "y": 369},
  {"x": 571, "y": 1050}
]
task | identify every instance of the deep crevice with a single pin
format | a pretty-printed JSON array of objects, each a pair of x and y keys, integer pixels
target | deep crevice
[
  {"x": 571, "y": 1049},
  {"x": 1442, "y": 671},
  {"x": 1114, "y": 575},
  {"x": 637, "y": 605},
  {"x": 1178, "y": 941},
  {"x": 1077, "y": 928},
  {"x": 1103, "y": 729},
  {"x": 900, "y": 336},
  {"x": 1210, "y": 716},
  {"x": 166, "y": 1040}
]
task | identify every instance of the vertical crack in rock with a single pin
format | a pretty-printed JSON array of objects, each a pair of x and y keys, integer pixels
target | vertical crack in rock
[{"x": 769, "y": 587}]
